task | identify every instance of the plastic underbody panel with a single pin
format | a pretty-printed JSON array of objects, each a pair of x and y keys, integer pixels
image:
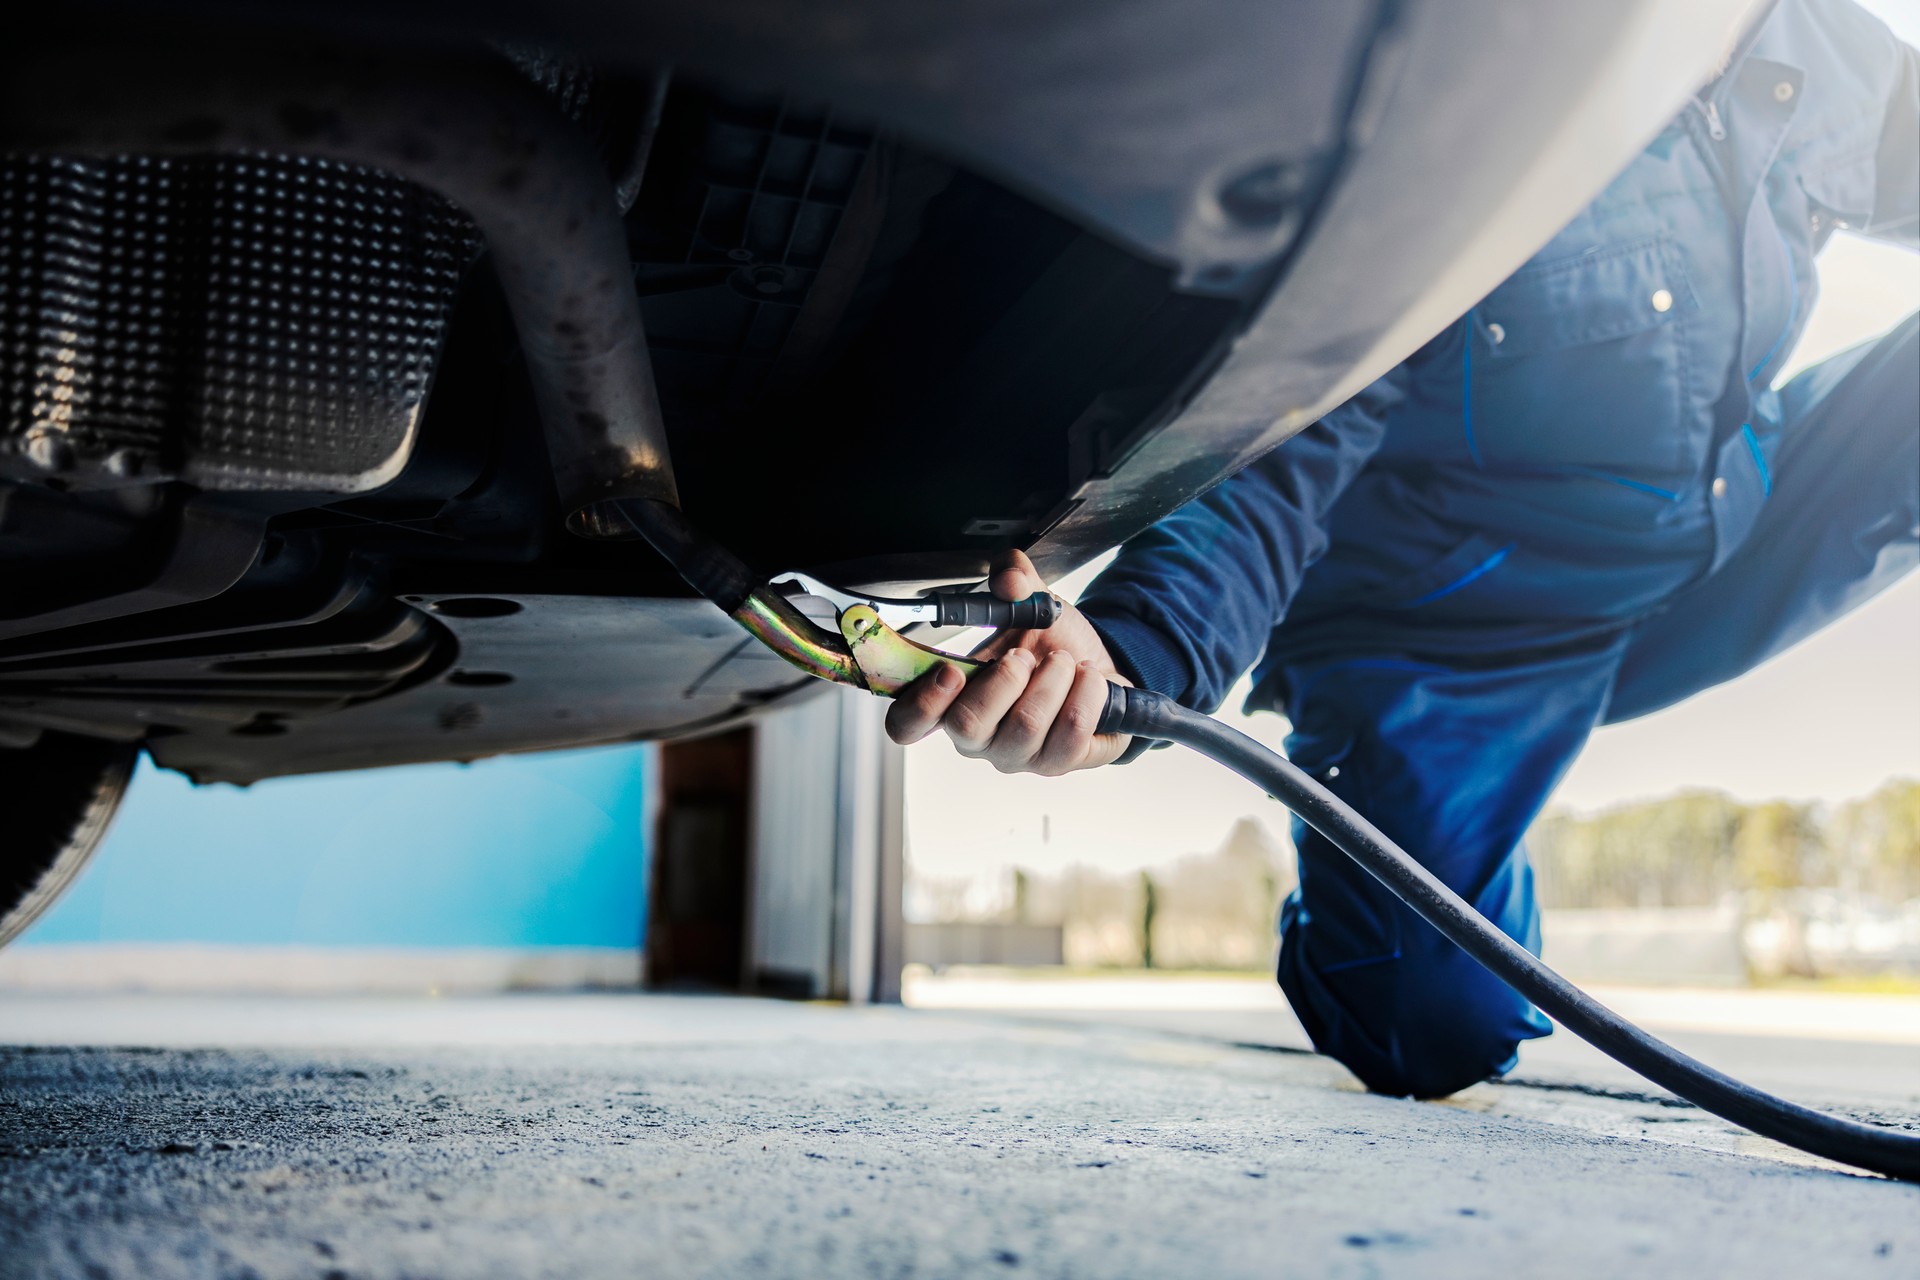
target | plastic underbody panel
[{"x": 630, "y": 668}]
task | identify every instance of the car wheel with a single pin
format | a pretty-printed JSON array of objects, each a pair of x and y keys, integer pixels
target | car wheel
[{"x": 61, "y": 793}]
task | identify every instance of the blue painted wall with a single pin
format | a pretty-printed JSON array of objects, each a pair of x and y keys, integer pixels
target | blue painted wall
[{"x": 527, "y": 851}]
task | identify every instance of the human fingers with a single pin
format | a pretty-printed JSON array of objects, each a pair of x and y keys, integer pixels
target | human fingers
[
  {"x": 1025, "y": 726},
  {"x": 1014, "y": 577},
  {"x": 1072, "y": 741},
  {"x": 1005, "y": 640},
  {"x": 917, "y": 709},
  {"x": 974, "y": 717}
]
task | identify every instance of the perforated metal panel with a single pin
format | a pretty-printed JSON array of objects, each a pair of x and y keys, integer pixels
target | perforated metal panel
[{"x": 242, "y": 322}]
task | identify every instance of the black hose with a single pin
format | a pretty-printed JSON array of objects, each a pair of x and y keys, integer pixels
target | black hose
[
  {"x": 708, "y": 567},
  {"x": 1886, "y": 1151}
]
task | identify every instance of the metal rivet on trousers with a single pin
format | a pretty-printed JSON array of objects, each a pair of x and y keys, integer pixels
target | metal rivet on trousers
[
  {"x": 1662, "y": 300},
  {"x": 1783, "y": 91},
  {"x": 1719, "y": 486},
  {"x": 1496, "y": 334}
]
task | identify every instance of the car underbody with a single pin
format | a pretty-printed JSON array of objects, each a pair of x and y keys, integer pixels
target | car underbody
[{"x": 278, "y": 493}]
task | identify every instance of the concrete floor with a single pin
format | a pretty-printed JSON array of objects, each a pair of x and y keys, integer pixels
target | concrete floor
[
  {"x": 1838, "y": 1049},
  {"x": 604, "y": 1135}
]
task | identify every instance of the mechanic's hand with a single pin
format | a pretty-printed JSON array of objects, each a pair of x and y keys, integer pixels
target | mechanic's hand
[{"x": 1035, "y": 708}]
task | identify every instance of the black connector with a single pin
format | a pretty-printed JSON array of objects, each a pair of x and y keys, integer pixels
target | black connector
[{"x": 977, "y": 609}]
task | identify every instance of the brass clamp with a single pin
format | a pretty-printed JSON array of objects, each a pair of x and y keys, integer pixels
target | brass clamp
[{"x": 865, "y": 650}]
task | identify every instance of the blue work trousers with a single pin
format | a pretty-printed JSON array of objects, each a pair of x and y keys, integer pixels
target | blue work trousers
[{"x": 1454, "y": 758}]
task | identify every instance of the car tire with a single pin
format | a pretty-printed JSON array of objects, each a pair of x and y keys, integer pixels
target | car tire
[{"x": 62, "y": 793}]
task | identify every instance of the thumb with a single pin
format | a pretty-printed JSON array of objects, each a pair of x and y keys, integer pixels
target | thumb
[{"x": 1014, "y": 577}]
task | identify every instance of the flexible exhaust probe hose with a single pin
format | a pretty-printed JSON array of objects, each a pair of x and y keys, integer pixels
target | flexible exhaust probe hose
[{"x": 1155, "y": 716}]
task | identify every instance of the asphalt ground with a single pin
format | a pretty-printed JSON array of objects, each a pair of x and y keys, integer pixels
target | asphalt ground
[{"x": 584, "y": 1136}]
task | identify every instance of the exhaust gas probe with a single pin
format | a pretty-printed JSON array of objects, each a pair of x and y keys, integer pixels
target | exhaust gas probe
[{"x": 865, "y": 651}]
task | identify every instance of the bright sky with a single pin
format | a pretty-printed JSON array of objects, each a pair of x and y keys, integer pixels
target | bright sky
[
  {"x": 1828, "y": 720},
  {"x": 1902, "y": 15}
]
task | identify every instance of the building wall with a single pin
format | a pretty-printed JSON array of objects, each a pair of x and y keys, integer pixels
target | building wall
[
  {"x": 528, "y": 852},
  {"x": 827, "y": 844}
]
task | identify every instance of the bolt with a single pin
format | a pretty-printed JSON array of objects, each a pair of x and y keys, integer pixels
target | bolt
[{"x": 1264, "y": 195}]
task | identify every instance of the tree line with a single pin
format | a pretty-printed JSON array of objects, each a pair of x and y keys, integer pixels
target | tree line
[
  {"x": 1695, "y": 848},
  {"x": 1692, "y": 849}
]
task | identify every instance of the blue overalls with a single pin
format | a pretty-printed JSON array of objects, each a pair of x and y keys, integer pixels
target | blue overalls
[{"x": 1582, "y": 502}]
